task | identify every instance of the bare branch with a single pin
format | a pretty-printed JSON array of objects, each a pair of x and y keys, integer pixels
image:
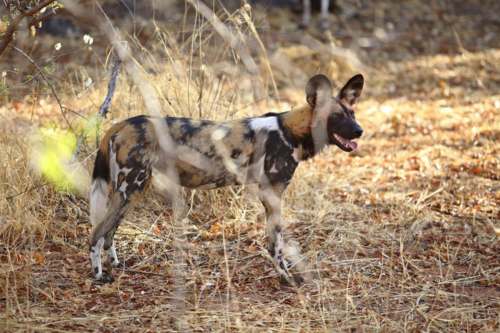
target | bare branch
[
  {"x": 103, "y": 110},
  {"x": 48, "y": 83},
  {"x": 42, "y": 17},
  {"x": 12, "y": 28}
]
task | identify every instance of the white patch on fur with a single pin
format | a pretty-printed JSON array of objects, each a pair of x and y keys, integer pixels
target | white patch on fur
[
  {"x": 285, "y": 141},
  {"x": 256, "y": 170},
  {"x": 98, "y": 200},
  {"x": 113, "y": 256},
  {"x": 123, "y": 189},
  {"x": 114, "y": 168},
  {"x": 138, "y": 183},
  {"x": 95, "y": 258},
  {"x": 273, "y": 169},
  {"x": 279, "y": 246},
  {"x": 267, "y": 123},
  {"x": 125, "y": 171},
  {"x": 219, "y": 134}
]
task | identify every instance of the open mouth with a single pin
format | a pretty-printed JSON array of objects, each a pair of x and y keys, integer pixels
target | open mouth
[{"x": 345, "y": 144}]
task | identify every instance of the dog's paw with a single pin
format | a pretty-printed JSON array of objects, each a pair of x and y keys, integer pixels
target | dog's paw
[
  {"x": 104, "y": 278},
  {"x": 291, "y": 265},
  {"x": 116, "y": 264}
]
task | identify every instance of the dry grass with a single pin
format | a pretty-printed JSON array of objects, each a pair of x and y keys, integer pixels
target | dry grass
[{"x": 400, "y": 235}]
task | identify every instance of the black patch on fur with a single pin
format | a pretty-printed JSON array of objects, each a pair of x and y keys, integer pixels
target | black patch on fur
[
  {"x": 137, "y": 120},
  {"x": 279, "y": 156},
  {"x": 270, "y": 114},
  {"x": 137, "y": 178},
  {"x": 101, "y": 167},
  {"x": 187, "y": 128},
  {"x": 235, "y": 153},
  {"x": 307, "y": 144},
  {"x": 344, "y": 124},
  {"x": 294, "y": 141},
  {"x": 305, "y": 141},
  {"x": 209, "y": 154},
  {"x": 249, "y": 134},
  {"x": 271, "y": 250}
]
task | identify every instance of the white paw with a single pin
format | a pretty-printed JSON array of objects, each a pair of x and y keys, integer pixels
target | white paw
[{"x": 291, "y": 264}]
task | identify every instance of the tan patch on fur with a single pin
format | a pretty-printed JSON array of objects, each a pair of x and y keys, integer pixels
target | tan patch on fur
[
  {"x": 150, "y": 134},
  {"x": 104, "y": 144},
  {"x": 298, "y": 121},
  {"x": 196, "y": 176},
  {"x": 126, "y": 140},
  {"x": 202, "y": 140},
  {"x": 175, "y": 129},
  {"x": 234, "y": 139}
]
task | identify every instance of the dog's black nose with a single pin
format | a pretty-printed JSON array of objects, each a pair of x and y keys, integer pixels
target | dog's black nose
[{"x": 358, "y": 132}]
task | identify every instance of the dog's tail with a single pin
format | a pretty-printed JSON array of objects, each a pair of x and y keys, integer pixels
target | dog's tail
[{"x": 99, "y": 189}]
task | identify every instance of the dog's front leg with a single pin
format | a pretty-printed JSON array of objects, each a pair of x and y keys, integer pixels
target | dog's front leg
[{"x": 285, "y": 254}]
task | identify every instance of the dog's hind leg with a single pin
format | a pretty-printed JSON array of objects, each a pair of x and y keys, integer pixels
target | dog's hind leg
[
  {"x": 128, "y": 188},
  {"x": 103, "y": 232},
  {"x": 109, "y": 244}
]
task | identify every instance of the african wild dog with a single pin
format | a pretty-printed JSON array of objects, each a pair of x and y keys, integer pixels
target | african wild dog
[{"x": 264, "y": 150}]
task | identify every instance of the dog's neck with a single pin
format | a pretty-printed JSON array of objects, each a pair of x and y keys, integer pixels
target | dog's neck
[
  {"x": 298, "y": 121},
  {"x": 297, "y": 125}
]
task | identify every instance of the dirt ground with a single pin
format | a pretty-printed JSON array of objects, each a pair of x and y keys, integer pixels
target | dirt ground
[{"x": 400, "y": 236}]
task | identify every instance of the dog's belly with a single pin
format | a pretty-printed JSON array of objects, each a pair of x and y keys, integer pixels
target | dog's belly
[
  {"x": 216, "y": 174},
  {"x": 204, "y": 180}
]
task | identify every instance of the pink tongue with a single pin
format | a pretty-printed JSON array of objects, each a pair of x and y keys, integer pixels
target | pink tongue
[
  {"x": 353, "y": 145},
  {"x": 348, "y": 143}
]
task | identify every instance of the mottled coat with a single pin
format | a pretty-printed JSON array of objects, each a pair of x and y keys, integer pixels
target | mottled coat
[{"x": 264, "y": 150}]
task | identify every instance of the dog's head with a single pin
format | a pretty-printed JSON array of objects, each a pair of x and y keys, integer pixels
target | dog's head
[{"x": 336, "y": 112}]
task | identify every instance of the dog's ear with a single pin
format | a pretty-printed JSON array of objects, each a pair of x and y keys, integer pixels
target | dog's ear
[
  {"x": 318, "y": 90},
  {"x": 350, "y": 93}
]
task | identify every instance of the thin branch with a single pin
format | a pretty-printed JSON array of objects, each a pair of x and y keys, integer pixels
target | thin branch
[
  {"x": 103, "y": 110},
  {"x": 38, "y": 7},
  {"x": 48, "y": 83},
  {"x": 29, "y": 189},
  {"x": 234, "y": 42},
  {"x": 42, "y": 17},
  {"x": 12, "y": 28}
]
